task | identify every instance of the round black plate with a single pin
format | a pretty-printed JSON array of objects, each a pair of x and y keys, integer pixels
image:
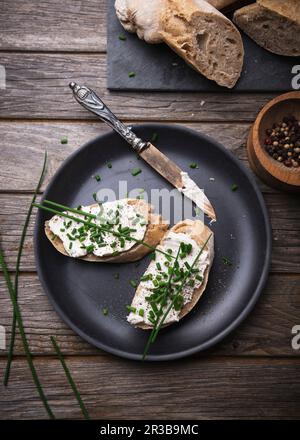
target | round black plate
[{"x": 80, "y": 290}]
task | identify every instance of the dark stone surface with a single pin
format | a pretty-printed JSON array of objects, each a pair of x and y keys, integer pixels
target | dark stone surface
[{"x": 158, "y": 68}]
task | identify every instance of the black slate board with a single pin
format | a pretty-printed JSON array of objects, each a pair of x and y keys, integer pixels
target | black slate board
[{"x": 158, "y": 68}]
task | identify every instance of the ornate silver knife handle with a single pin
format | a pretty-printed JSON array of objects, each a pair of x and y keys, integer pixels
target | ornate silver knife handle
[{"x": 90, "y": 101}]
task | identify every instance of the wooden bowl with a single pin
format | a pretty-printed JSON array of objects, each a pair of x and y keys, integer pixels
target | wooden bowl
[{"x": 274, "y": 173}]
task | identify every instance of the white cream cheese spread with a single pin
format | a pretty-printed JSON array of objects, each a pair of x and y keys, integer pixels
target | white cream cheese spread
[
  {"x": 118, "y": 216},
  {"x": 191, "y": 190},
  {"x": 157, "y": 276}
]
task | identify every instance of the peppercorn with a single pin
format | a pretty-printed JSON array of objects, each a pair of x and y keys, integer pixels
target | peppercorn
[{"x": 282, "y": 141}]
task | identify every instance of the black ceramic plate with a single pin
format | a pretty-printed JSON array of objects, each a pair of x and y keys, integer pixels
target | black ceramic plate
[{"x": 80, "y": 290}]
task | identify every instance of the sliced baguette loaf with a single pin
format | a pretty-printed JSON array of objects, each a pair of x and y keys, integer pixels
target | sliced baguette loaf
[
  {"x": 221, "y": 4},
  {"x": 205, "y": 38},
  {"x": 155, "y": 230},
  {"x": 272, "y": 24},
  {"x": 198, "y": 32},
  {"x": 195, "y": 232}
]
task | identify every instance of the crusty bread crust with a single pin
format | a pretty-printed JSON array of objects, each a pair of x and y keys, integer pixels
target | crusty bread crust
[
  {"x": 156, "y": 229},
  {"x": 220, "y": 4},
  {"x": 200, "y": 233},
  {"x": 289, "y": 9},
  {"x": 272, "y": 25},
  {"x": 206, "y": 39}
]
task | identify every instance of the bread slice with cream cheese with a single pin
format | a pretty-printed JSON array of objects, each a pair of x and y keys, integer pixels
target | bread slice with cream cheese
[
  {"x": 63, "y": 233},
  {"x": 194, "y": 234}
]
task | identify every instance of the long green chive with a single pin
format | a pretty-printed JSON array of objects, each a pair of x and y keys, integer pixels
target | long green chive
[
  {"x": 94, "y": 225},
  {"x": 179, "y": 290},
  {"x": 23, "y": 336},
  {"x": 155, "y": 323},
  {"x": 16, "y": 283},
  {"x": 158, "y": 324},
  {"x": 70, "y": 379}
]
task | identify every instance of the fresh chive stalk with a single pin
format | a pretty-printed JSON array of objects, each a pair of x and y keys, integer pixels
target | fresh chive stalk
[
  {"x": 19, "y": 321},
  {"x": 70, "y": 379},
  {"x": 16, "y": 281}
]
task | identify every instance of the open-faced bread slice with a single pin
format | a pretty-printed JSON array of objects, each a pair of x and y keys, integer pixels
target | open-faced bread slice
[
  {"x": 190, "y": 232},
  {"x": 151, "y": 232}
]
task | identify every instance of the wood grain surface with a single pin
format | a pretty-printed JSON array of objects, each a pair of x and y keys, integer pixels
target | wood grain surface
[{"x": 254, "y": 372}]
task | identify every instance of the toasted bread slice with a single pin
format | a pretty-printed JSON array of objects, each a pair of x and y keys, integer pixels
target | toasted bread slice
[
  {"x": 155, "y": 230},
  {"x": 197, "y": 231}
]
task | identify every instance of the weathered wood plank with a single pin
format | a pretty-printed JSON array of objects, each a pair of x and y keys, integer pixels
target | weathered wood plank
[
  {"x": 284, "y": 212},
  {"x": 37, "y": 87},
  {"x": 23, "y": 145},
  {"x": 266, "y": 332},
  {"x": 53, "y": 25},
  {"x": 115, "y": 389}
]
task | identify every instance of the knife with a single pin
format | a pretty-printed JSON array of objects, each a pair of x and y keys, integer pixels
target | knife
[{"x": 154, "y": 157}]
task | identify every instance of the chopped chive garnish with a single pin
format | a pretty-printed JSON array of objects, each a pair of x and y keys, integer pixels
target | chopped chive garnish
[
  {"x": 89, "y": 248},
  {"x": 95, "y": 196},
  {"x": 227, "y": 261},
  {"x": 97, "y": 177},
  {"x": 131, "y": 74},
  {"x": 146, "y": 277},
  {"x": 109, "y": 165},
  {"x": 141, "y": 312},
  {"x": 64, "y": 141},
  {"x": 133, "y": 283},
  {"x": 131, "y": 309},
  {"x": 234, "y": 187},
  {"x": 158, "y": 266},
  {"x": 194, "y": 165},
  {"x": 136, "y": 172},
  {"x": 122, "y": 37},
  {"x": 154, "y": 137},
  {"x": 105, "y": 311}
]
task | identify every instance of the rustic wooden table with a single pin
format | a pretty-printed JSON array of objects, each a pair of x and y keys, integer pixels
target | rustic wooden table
[{"x": 254, "y": 373}]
